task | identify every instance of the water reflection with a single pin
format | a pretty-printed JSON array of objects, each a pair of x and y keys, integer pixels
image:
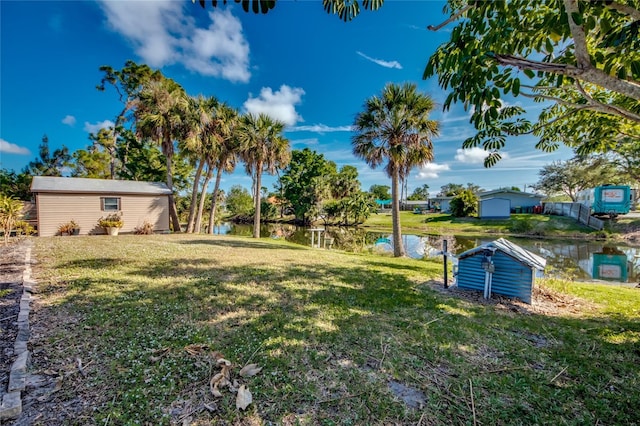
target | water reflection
[{"x": 582, "y": 260}]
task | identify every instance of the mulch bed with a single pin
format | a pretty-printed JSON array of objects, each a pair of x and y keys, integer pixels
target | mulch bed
[{"x": 11, "y": 269}]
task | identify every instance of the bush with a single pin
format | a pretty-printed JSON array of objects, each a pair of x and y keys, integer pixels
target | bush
[
  {"x": 145, "y": 229},
  {"x": 22, "y": 227},
  {"x": 10, "y": 213},
  {"x": 464, "y": 203},
  {"x": 68, "y": 228}
]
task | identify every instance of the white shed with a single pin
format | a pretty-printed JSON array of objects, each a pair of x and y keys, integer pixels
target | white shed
[{"x": 494, "y": 208}]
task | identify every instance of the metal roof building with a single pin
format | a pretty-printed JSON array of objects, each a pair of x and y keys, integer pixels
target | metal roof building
[{"x": 500, "y": 267}]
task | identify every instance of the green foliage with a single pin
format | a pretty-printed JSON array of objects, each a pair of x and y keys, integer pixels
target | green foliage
[
  {"x": 380, "y": 192},
  {"x": 420, "y": 193},
  {"x": 268, "y": 211},
  {"x": 15, "y": 185},
  {"x": 49, "y": 164},
  {"x": 10, "y": 213},
  {"x": 572, "y": 176},
  {"x": 239, "y": 201},
  {"x": 22, "y": 227},
  {"x": 501, "y": 48},
  {"x": 464, "y": 204},
  {"x": 346, "y": 10},
  {"x": 306, "y": 183},
  {"x": 450, "y": 189}
]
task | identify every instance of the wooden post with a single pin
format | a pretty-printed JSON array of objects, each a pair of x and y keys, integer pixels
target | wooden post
[{"x": 444, "y": 252}]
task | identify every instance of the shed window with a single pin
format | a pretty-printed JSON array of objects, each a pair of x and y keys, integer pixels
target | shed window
[{"x": 110, "y": 204}]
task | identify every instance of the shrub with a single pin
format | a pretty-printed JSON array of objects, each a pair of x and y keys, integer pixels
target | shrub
[
  {"x": 68, "y": 228},
  {"x": 22, "y": 227},
  {"x": 10, "y": 212},
  {"x": 464, "y": 204},
  {"x": 114, "y": 220},
  {"x": 145, "y": 229}
]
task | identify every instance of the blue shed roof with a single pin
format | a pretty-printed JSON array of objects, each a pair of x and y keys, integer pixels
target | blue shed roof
[{"x": 511, "y": 249}]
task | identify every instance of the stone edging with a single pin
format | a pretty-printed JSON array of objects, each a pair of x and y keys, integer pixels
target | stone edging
[{"x": 11, "y": 406}]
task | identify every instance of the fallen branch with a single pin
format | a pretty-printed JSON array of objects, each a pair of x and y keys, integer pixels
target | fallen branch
[
  {"x": 6, "y": 318},
  {"x": 558, "y": 375}
]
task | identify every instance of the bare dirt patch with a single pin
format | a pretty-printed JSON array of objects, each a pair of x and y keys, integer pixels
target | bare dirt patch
[{"x": 545, "y": 301}]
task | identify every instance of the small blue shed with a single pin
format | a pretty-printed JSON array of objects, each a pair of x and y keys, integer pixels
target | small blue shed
[{"x": 500, "y": 267}]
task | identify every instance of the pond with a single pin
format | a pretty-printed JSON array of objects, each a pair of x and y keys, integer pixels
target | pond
[{"x": 569, "y": 259}]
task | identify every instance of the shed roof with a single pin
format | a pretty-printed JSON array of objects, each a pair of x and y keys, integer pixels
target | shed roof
[
  {"x": 486, "y": 194},
  {"x": 102, "y": 186},
  {"x": 511, "y": 249}
]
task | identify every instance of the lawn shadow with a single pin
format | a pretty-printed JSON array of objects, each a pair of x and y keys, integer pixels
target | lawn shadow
[{"x": 248, "y": 244}]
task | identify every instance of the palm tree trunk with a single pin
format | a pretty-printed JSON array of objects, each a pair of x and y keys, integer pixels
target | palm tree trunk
[
  {"x": 173, "y": 211},
  {"x": 194, "y": 197},
  {"x": 202, "y": 200},
  {"x": 398, "y": 247},
  {"x": 256, "y": 216},
  {"x": 214, "y": 200}
]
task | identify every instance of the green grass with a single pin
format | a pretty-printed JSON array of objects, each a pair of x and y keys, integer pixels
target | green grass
[
  {"x": 517, "y": 224},
  {"x": 330, "y": 329}
]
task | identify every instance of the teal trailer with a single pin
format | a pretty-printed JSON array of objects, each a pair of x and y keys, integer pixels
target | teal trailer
[{"x": 612, "y": 200}]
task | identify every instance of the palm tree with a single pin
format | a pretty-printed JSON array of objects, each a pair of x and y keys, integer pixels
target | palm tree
[
  {"x": 263, "y": 148},
  {"x": 202, "y": 139},
  {"x": 161, "y": 116},
  {"x": 226, "y": 154},
  {"x": 395, "y": 127}
]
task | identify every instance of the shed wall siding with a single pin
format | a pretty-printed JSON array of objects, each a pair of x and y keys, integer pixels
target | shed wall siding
[
  {"x": 511, "y": 278},
  {"x": 86, "y": 209}
]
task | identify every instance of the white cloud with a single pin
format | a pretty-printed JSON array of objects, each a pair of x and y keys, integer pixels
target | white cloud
[
  {"x": 432, "y": 170},
  {"x": 69, "y": 120},
  {"x": 279, "y": 104},
  {"x": 162, "y": 34},
  {"x": 320, "y": 128},
  {"x": 95, "y": 127},
  {"x": 11, "y": 148},
  {"x": 382, "y": 63},
  {"x": 475, "y": 155}
]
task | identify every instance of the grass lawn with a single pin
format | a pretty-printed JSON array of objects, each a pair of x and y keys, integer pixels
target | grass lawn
[
  {"x": 517, "y": 224},
  {"x": 341, "y": 338}
]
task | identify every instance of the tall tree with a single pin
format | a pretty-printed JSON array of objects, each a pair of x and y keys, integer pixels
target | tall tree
[
  {"x": 450, "y": 189},
  {"x": 420, "y": 193},
  {"x": 15, "y": 185},
  {"x": 128, "y": 83},
  {"x": 201, "y": 139},
  {"x": 380, "y": 192},
  {"x": 226, "y": 155},
  {"x": 572, "y": 176},
  {"x": 581, "y": 56},
  {"x": 305, "y": 183},
  {"x": 345, "y": 183},
  {"x": 263, "y": 149},
  {"x": 47, "y": 163},
  {"x": 395, "y": 128},
  {"x": 160, "y": 116}
]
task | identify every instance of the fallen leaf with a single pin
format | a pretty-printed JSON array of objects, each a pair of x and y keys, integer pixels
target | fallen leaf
[
  {"x": 221, "y": 361},
  {"x": 244, "y": 398},
  {"x": 195, "y": 349},
  {"x": 215, "y": 392},
  {"x": 250, "y": 370}
]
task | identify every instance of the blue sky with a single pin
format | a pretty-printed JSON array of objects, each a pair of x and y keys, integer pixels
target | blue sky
[{"x": 296, "y": 63}]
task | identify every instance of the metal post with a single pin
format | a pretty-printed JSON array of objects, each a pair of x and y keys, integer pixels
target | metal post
[{"x": 444, "y": 252}]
